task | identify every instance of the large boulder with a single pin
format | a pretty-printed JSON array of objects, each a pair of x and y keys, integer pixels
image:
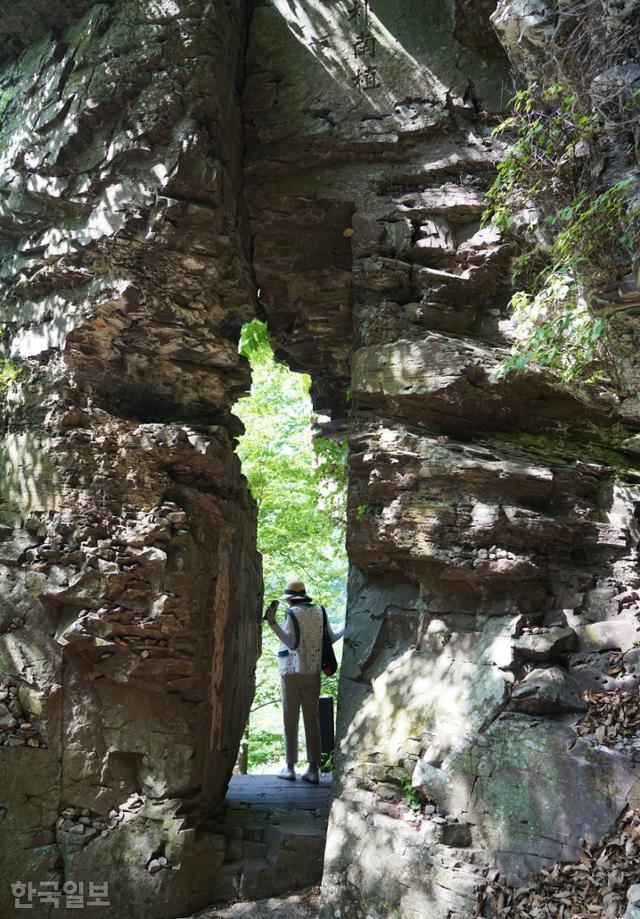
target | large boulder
[{"x": 548, "y": 691}]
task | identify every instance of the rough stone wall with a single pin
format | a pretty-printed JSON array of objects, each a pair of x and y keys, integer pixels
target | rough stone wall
[
  {"x": 492, "y": 523},
  {"x": 129, "y": 581}
]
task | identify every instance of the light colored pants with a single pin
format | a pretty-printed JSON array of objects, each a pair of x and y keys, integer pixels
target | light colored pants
[{"x": 301, "y": 690}]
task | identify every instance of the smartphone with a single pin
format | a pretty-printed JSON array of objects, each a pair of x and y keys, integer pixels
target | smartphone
[{"x": 272, "y": 605}]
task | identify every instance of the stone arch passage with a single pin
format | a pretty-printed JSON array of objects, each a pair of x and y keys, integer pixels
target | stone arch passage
[
  {"x": 278, "y": 829},
  {"x": 297, "y": 479},
  {"x": 493, "y": 509}
]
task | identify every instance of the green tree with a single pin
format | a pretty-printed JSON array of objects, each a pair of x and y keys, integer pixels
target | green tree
[{"x": 299, "y": 485}]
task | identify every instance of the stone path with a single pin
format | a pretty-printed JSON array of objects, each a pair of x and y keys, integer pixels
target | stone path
[
  {"x": 270, "y": 791},
  {"x": 302, "y": 905},
  {"x": 272, "y": 839}
]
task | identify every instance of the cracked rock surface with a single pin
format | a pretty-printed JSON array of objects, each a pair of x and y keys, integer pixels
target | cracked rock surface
[
  {"x": 492, "y": 523},
  {"x": 129, "y": 580}
]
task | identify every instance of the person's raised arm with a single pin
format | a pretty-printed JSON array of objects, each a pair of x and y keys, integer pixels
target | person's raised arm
[
  {"x": 285, "y": 634},
  {"x": 335, "y": 634}
]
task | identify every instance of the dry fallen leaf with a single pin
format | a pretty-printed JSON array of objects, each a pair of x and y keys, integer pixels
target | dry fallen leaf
[
  {"x": 575, "y": 890},
  {"x": 611, "y": 716}
]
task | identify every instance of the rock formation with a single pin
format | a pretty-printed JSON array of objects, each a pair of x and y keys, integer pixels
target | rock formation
[
  {"x": 130, "y": 585},
  {"x": 493, "y": 523}
]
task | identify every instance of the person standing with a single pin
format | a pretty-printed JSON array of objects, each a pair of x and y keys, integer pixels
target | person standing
[{"x": 299, "y": 663}]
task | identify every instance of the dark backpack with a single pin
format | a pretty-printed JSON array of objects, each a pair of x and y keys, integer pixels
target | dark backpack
[{"x": 329, "y": 663}]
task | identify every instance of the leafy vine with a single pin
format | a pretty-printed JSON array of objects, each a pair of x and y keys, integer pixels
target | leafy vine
[{"x": 572, "y": 236}]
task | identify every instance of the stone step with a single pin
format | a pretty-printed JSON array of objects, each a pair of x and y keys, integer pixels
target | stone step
[
  {"x": 268, "y": 852},
  {"x": 239, "y": 849},
  {"x": 304, "y": 842}
]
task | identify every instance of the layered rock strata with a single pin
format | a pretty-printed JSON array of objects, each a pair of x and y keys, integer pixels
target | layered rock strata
[
  {"x": 130, "y": 583},
  {"x": 492, "y": 522}
]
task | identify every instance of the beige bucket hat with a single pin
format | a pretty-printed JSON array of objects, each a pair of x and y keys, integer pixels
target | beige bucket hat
[{"x": 295, "y": 590}]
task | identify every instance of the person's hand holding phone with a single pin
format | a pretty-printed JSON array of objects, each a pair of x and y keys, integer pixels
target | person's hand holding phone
[{"x": 270, "y": 614}]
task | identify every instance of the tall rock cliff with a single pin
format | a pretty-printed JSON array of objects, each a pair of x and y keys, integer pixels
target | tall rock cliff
[
  {"x": 129, "y": 580},
  {"x": 492, "y": 522}
]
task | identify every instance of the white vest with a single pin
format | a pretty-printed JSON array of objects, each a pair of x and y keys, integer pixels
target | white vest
[{"x": 307, "y": 657}]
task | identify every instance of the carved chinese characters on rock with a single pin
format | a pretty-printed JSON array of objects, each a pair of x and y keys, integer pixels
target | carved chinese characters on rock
[{"x": 363, "y": 45}]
